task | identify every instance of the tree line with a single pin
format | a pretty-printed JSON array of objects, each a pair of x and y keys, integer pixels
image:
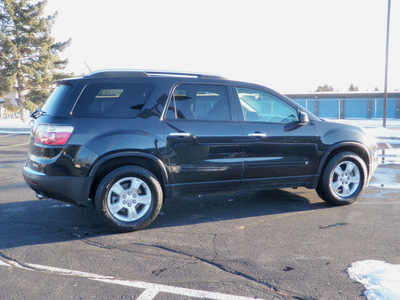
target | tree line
[{"x": 329, "y": 88}]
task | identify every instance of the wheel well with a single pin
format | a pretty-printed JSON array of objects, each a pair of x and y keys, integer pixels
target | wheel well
[
  {"x": 355, "y": 149},
  {"x": 117, "y": 162}
]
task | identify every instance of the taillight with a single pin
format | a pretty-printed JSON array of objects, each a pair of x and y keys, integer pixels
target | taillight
[{"x": 52, "y": 134}]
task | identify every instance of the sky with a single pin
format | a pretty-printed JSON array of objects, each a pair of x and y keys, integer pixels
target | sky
[{"x": 287, "y": 45}]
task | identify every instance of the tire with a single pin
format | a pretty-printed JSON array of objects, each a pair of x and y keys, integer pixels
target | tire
[
  {"x": 128, "y": 198},
  {"x": 343, "y": 179}
]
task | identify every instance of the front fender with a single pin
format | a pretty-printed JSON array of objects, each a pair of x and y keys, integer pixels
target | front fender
[{"x": 355, "y": 147}]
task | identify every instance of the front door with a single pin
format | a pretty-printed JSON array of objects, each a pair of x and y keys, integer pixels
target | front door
[
  {"x": 277, "y": 152},
  {"x": 204, "y": 138}
]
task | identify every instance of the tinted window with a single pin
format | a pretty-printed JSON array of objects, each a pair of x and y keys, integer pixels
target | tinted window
[
  {"x": 112, "y": 100},
  {"x": 199, "y": 102},
  {"x": 55, "y": 99},
  {"x": 259, "y": 106}
]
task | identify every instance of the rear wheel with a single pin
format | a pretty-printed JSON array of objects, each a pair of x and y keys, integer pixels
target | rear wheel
[
  {"x": 128, "y": 198},
  {"x": 343, "y": 179}
]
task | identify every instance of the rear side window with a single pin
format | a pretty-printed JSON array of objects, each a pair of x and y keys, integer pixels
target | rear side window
[
  {"x": 55, "y": 99},
  {"x": 200, "y": 102},
  {"x": 112, "y": 100}
]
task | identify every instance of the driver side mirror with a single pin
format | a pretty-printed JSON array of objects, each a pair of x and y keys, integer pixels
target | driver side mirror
[{"x": 303, "y": 118}]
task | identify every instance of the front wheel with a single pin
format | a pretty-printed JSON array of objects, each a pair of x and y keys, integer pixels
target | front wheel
[
  {"x": 343, "y": 179},
  {"x": 128, "y": 198}
]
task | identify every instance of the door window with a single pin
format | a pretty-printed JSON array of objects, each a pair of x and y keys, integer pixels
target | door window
[
  {"x": 199, "y": 102},
  {"x": 259, "y": 106}
]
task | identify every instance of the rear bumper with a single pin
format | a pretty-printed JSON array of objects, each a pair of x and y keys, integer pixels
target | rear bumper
[{"x": 70, "y": 189}]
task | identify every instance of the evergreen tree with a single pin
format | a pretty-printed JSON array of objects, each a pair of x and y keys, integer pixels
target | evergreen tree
[
  {"x": 325, "y": 88},
  {"x": 353, "y": 88},
  {"x": 29, "y": 60}
]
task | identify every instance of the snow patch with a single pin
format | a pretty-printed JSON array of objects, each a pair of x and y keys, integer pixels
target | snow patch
[
  {"x": 14, "y": 123},
  {"x": 386, "y": 178},
  {"x": 381, "y": 279},
  {"x": 389, "y": 144},
  {"x": 13, "y": 210},
  {"x": 61, "y": 205}
]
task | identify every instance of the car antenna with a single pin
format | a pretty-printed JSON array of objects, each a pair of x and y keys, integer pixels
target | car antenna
[{"x": 87, "y": 66}]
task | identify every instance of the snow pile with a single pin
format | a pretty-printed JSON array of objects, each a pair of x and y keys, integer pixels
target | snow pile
[
  {"x": 368, "y": 123},
  {"x": 381, "y": 279},
  {"x": 13, "y": 123},
  {"x": 385, "y": 135},
  {"x": 389, "y": 144}
]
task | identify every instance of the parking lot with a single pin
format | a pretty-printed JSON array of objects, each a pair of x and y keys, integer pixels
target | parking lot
[{"x": 284, "y": 244}]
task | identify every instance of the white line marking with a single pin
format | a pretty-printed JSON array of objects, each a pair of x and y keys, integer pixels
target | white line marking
[
  {"x": 151, "y": 289},
  {"x": 174, "y": 290},
  {"x": 67, "y": 272},
  {"x": 10, "y": 146},
  {"x": 148, "y": 294},
  {"x": 15, "y": 264},
  {"x": 2, "y": 263}
]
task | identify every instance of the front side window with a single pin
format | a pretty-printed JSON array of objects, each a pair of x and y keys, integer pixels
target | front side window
[
  {"x": 112, "y": 100},
  {"x": 259, "y": 106},
  {"x": 199, "y": 102}
]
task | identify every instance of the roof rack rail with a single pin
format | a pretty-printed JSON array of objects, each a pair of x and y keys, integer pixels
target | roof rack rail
[
  {"x": 116, "y": 74},
  {"x": 182, "y": 74},
  {"x": 148, "y": 73}
]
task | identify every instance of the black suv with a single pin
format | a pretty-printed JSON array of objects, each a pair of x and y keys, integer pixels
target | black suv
[{"x": 127, "y": 140}]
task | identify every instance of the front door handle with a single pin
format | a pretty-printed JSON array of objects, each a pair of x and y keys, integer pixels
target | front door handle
[
  {"x": 257, "y": 134},
  {"x": 180, "y": 134}
]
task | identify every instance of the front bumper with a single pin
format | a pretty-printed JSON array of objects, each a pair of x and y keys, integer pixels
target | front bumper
[
  {"x": 70, "y": 189},
  {"x": 372, "y": 168}
]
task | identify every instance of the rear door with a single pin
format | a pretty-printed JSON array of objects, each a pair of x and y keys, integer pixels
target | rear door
[
  {"x": 204, "y": 138},
  {"x": 277, "y": 152}
]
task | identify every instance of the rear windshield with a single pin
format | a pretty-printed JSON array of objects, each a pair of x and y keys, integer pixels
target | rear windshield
[
  {"x": 55, "y": 99},
  {"x": 112, "y": 100}
]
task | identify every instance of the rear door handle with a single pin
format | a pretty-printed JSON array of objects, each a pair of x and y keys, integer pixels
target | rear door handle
[
  {"x": 180, "y": 134},
  {"x": 257, "y": 134}
]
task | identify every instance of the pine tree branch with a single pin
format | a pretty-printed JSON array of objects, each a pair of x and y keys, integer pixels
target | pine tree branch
[{"x": 6, "y": 58}]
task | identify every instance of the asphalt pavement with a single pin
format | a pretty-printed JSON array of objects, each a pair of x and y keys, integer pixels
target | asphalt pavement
[{"x": 283, "y": 244}]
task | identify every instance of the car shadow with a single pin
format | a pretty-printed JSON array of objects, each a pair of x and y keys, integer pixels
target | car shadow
[
  {"x": 213, "y": 208},
  {"x": 50, "y": 221}
]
